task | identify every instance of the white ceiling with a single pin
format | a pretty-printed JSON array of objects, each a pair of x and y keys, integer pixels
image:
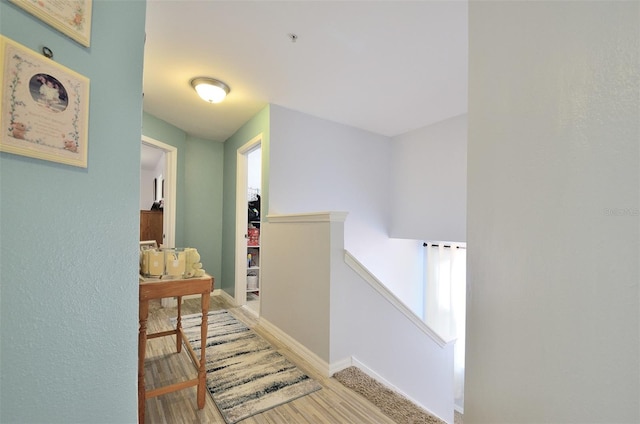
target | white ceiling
[
  {"x": 384, "y": 66},
  {"x": 150, "y": 157}
]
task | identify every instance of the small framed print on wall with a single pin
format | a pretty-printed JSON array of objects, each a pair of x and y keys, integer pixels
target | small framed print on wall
[
  {"x": 70, "y": 17},
  {"x": 44, "y": 107}
]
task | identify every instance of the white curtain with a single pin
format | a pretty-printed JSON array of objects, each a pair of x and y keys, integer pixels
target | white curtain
[{"x": 445, "y": 302}]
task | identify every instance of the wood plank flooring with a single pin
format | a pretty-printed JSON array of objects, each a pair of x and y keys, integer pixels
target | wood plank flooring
[{"x": 332, "y": 404}]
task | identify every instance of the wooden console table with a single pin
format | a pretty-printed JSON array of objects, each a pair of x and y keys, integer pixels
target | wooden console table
[{"x": 157, "y": 289}]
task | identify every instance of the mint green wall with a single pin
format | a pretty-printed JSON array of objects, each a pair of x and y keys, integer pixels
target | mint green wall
[
  {"x": 69, "y": 239},
  {"x": 206, "y": 191},
  {"x": 203, "y": 202},
  {"x": 162, "y": 131},
  {"x": 259, "y": 124},
  {"x": 198, "y": 191}
]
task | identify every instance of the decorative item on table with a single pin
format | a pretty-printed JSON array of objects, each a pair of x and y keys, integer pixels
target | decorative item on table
[
  {"x": 145, "y": 245},
  {"x": 193, "y": 266},
  {"x": 174, "y": 263},
  {"x": 152, "y": 263},
  {"x": 254, "y": 236},
  {"x": 170, "y": 263}
]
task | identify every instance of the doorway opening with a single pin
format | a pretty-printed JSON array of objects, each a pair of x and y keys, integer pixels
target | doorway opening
[
  {"x": 161, "y": 183},
  {"x": 248, "y": 219},
  {"x": 158, "y": 180}
]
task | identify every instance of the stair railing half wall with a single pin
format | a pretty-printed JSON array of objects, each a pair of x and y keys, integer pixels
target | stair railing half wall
[{"x": 391, "y": 298}]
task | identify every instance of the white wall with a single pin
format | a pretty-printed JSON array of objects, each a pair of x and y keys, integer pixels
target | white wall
[
  {"x": 295, "y": 275},
  {"x": 553, "y": 230},
  {"x": 146, "y": 189},
  {"x": 429, "y": 194},
  {"x": 342, "y": 168},
  {"x": 147, "y": 177},
  {"x": 386, "y": 343},
  {"x": 333, "y": 315},
  {"x": 254, "y": 169}
]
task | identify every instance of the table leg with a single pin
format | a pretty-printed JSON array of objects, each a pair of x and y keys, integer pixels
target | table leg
[
  {"x": 142, "y": 346},
  {"x": 179, "y": 326},
  {"x": 202, "y": 372}
]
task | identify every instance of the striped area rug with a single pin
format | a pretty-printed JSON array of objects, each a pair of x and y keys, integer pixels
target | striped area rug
[{"x": 245, "y": 374}]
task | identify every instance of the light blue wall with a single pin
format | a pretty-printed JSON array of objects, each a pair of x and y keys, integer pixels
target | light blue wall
[
  {"x": 198, "y": 191},
  {"x": 69, "y": 239},
  {"x": 259, "y": 124},
  {"x": 203, "y": 201}
]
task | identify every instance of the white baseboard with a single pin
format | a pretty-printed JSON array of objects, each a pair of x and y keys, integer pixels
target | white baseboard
[
  {"x": 320, "y": 365},
  {"x": 314, "y": 360},
  {"x": 251, "y": 312},
  {"x": 194, "y": 296},
  {"x": 336, "y": 366},
  {"x": 169, "y": 302},
  {"x": 371, "y": 373},
  {"x": 172, "y": 302},
  {"x": 227, "y": 296}
]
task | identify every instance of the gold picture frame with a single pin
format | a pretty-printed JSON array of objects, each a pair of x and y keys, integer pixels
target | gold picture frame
[
  {"x": 70, "y": 17},
  {"x": 44, "y": 107}
]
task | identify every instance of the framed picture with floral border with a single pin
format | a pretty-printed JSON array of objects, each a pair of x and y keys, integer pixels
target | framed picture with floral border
[
  {"x": 44, "y": 107},
  {"x": 70, "y": 17}
]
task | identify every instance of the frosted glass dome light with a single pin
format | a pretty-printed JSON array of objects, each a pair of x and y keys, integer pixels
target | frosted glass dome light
[{"x": 210, "y": 90}]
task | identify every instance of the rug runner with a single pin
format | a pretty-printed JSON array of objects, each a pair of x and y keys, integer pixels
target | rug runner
[{"x": 245, "y": 374}]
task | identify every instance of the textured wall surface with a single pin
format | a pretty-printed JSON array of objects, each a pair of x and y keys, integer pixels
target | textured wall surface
[
  {"x": 69, "y": 236},
  {"x": 553, "y": 229}
]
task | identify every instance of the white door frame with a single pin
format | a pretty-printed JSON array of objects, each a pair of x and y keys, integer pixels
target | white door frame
[
  {"x": 170, "y": 178},
  {"x": 242, "y": 217}
]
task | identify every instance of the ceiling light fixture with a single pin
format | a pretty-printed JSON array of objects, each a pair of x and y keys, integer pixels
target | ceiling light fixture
[{"x": 211, "y": 90}]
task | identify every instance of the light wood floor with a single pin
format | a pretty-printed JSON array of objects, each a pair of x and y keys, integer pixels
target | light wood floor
[{"x": 332, "y": 404}]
